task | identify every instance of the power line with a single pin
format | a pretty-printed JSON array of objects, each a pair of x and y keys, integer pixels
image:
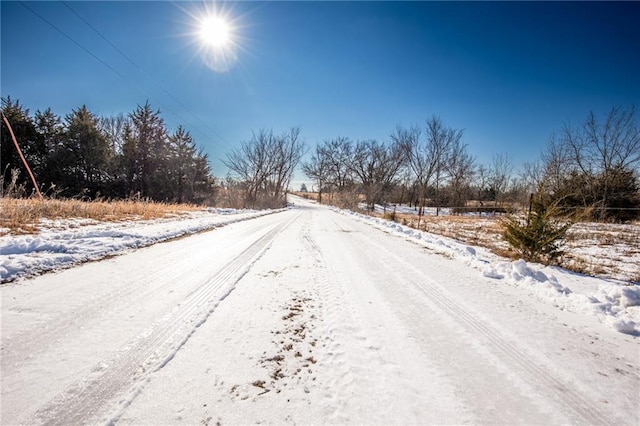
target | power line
[
  {"x": 106, "y": 64},
  {"x": 146, "y": 74},
  {"x": 73, "y": 41}
]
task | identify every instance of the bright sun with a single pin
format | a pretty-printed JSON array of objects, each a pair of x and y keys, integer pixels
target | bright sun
[
  {"x": 217, "y": 36},
  {"x": 215, "y": 31}
]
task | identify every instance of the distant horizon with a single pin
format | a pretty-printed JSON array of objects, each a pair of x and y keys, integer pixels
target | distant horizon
[{"x": 509, "y": 74}]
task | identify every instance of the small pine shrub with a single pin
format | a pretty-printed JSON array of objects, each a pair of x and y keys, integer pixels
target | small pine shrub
[{"x": 539, "y": 235}]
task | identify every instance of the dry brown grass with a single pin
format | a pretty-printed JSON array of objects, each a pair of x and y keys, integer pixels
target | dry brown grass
[
  {"x": 619, "y": 240},
  {"x": 478, "y": 231},
  {"x": 22, "y": 216}
]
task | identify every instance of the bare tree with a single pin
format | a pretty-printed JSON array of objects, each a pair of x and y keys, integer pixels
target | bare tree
[
  {"x": 604, "y": 154},
  {"x": 556, "y": 166},
  {"x": 251, "y": 164},
  {"x": 531, "y": 176},
  {"x": 460, "y": 168},
  {"x": 288, "y": 152},
  {"x": 340, "y": 155},
  {"x": 500, "y": 177},
  {"x": 265, "y": 165},
  {"x": 317, "y": 168},
  {"x": 427, "y": 155},
  {"x": 113, "y": 127},
  {"x": 441, "y": 140},
  {"x": 376, "y": 166},
  {"x": 481, "y": 184},
  {"x": 418, "y": 159}
]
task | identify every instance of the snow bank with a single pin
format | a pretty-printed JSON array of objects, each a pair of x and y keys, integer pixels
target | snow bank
[
  {"x": 63, "y": 243},
  {"x": 614, "y": 303}
]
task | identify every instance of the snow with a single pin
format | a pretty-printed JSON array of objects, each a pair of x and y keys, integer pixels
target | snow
[
  {"x": 606, "y": 250},
  {"x": 615, "y": 303},
  {"x": 307, "y": 315},
  {"x": 64, "y": 243},
  {"x": 68, "y": 242}
]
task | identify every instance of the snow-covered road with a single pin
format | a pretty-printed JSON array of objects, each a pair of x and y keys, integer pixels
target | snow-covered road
[{"x": 302, "y": 316}]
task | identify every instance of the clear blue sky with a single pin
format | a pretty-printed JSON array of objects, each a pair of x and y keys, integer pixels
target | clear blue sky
[{"x": 508, "y": 73}]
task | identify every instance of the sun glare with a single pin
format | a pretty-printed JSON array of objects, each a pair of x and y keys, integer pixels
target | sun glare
[
  {"x": 216, "y": 34},
  {"x": 215, "y": 31}
]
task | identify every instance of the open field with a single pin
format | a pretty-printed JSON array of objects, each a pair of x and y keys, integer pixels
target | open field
[
  {"x": 605, "y": 250},
  {"x": 23, "y": 216}
]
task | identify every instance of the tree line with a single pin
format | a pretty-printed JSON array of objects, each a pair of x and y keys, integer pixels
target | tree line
[
  {"x": 114, "y": 157},
  {"x": 136, "y": 156},
  {"x": 592, "y": 169}
]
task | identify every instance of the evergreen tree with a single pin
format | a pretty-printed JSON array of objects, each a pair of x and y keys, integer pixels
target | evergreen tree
[
  {"x": 189, "y": 168},
  {"x": 51, "y": 133},
  {"x": 115, "y": 129},
  {"x": 538, "y": 237},
  {"x": 119, "y": 156},
  {"x": 27, "y": 137},
  {"x": 147, "y": 143},
  {"x": 86, "y": 154},
  {"x": 201, "y": 182},
  {"x": 182, "y": 164},
  {"x": 128, "y": 162}
]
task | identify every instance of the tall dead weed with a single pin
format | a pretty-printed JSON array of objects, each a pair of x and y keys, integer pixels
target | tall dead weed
[{"x": 22, "y": 216}]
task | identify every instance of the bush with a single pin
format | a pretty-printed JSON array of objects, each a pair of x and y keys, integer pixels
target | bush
[
  {"x": 538, "y": 236},
  {"x": 390, "y": 216}
]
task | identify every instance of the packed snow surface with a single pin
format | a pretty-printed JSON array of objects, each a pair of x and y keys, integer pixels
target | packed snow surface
[
  {"x": 67, "y": 242},
  {"x": 615, "y": 303},
  {"x": 307, "y": 315}
]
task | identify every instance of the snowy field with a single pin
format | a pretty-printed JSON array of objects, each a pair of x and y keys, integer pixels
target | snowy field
[
  {"x": 307, "y": 315},
  {"x": 605, "y": 250}
]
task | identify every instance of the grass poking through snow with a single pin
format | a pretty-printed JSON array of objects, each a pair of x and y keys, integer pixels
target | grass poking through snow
[
  {"x": 606, "y": 250},
  {"x": 22, "y": 216}
]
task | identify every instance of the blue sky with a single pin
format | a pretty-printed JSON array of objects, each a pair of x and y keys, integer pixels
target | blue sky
[{"x": 508, "y": 73}]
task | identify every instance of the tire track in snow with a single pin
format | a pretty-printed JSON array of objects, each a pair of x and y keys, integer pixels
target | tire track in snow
[
  {"x": 502, "y": 347},
  {"x": 333, "y": 307},
  {"x": 124, "y": 376},
  {"x": 331, "y": 304},
  {"x": 66, "y": 323},
  {"x": 354, "y": 357}
]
